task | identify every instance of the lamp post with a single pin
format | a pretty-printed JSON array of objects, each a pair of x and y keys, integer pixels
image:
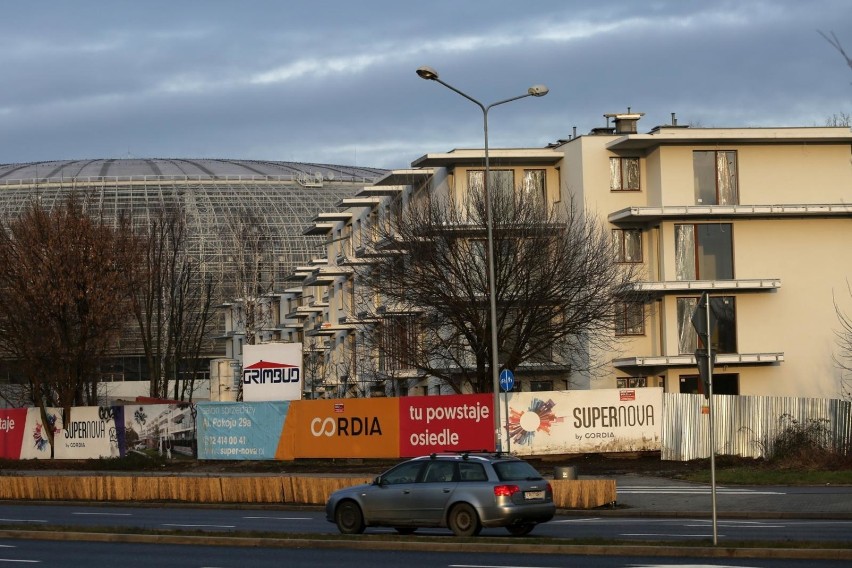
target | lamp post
[{"x": 535, "y": 91}]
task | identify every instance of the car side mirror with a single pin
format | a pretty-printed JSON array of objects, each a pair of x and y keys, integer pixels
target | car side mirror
[{"x": 377, "y": 480}]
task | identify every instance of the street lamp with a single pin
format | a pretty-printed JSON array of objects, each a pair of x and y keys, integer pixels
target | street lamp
[{"x": 535, "y": 91}]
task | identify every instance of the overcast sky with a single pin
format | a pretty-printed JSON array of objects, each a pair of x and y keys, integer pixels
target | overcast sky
[{"x": 334, "y": 81}]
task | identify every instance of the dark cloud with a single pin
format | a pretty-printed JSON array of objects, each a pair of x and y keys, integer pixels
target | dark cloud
[{"x": 334, "y": 81}]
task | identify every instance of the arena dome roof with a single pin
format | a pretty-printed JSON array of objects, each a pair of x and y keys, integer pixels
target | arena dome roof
[
  {"x": 179, "y": 168},
  {"x": 282, "y": 198}
]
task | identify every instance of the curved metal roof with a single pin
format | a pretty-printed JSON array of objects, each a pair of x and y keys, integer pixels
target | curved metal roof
[
  {"x": 180, "y": 168},
  {"x": 282, "y": 197}
]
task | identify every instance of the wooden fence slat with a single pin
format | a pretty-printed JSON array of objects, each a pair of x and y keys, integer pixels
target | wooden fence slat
[{"x": 567, "y": 494}]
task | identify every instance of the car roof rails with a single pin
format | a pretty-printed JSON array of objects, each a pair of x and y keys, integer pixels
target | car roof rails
[{"x": 465, "y": 454}]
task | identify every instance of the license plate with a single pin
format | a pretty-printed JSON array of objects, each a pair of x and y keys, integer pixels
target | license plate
[{"x": 534, "y": 495}]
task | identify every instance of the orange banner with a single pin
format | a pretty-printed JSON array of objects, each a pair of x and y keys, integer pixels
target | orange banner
[{"x": 347, "y": 428}]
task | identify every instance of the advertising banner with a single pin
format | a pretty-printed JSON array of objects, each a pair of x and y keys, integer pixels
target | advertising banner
[
  {"x": 91, "y": 433},
  {"x": 36, "y": 444},
  {"x": 241, "y": 430},
  {"x": 168, "y": 429},
  {"x": 451, "y": 423},
  {"x": 567, "y": 422},
  {"x": 13, "y": 422},
  {"x": 272, "y": 371},
  {"x": 343, "y": 428}
]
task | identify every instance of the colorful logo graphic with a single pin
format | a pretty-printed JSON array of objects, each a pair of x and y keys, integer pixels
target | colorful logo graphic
[
  {"x": 539, "y": 417},
  {"x": 39, "y": 435}
]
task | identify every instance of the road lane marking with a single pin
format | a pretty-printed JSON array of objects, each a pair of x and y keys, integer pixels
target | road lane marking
[
  {"x": 691, "y": 491},
  {"x": 491, "y": 566},
  {"x": 730, "y": 525},
  {"x": 200, "y": 526},
  {"x": 22, "y": 521},
  {"x": 105, "y": 514},
  {"x": 670, "y": 535},
  {"x": 685, "y": 566},
  {"x": 20, "y": 561},
  {"x": 282, "y": 518}
]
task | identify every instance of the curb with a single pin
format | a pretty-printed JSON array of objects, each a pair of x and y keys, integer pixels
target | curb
[{"x": 450, "y": 545}]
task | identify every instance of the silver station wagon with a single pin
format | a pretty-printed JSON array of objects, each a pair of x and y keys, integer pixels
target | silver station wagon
[{"x": 464, "y": 492}]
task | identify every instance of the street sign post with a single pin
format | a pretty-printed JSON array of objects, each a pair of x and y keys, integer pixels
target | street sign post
[
  {"x": 703, "y": 320},
  {"x": 507, "y": 383}
]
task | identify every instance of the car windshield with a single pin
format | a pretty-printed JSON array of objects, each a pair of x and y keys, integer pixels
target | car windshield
[{"x": 515, "y": 471}]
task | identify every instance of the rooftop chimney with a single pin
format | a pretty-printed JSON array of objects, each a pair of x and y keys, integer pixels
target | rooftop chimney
[{"x": 625, "y": 123}]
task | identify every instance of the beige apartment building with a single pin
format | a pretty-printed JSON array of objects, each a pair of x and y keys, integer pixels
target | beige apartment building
[{"x": 759, "y": 218}]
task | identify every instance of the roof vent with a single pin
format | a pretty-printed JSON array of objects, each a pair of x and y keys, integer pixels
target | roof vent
[{"x": 625, "y": 123}]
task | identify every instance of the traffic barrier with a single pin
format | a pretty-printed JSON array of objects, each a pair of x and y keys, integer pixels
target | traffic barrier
[
  {"x": 583, "y": 493},
  {"x": 568, "y": 494}
]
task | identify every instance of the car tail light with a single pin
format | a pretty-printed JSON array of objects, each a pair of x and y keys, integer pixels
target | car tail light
[
  {"x": 505, "y": 490},
  {"x": 549, "y": 488}
]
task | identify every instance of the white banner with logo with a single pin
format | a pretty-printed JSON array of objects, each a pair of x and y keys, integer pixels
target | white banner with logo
[
  {"x": 568, "y": 422},
  {"x": 91, "y": 433},
  {"x": 272, "y": 371}
]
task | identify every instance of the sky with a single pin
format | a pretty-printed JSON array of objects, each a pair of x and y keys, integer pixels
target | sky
[{"x": 335, "y": 82}]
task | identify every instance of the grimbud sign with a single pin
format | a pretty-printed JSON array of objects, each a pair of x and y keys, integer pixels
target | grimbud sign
[{"x": 272, "y": 371}]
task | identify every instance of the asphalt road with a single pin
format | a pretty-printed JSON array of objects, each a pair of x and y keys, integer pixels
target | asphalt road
[
  {"x": 68, "y": 554},
  {"x": 648, "y": 510},
  {"x": 638, "y": 495}
]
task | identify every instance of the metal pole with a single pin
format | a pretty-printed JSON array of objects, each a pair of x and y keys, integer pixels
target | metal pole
[
  {"x": 508, "y": 439},
  {"x": 712, "y": 424},
  {"x": 492, "y": 291},
  {"x": 431, "y": 75}
]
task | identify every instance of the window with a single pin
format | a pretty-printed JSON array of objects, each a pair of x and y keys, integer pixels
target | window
[
  {"x": 723, "y": 329},
  {"x": 715, "y": 174},
  {"x": 704, "y": 252},
  {"x": 403, "y": 473},
  {"x": 358, "y": 240},
  {"x": 534, "y": 185},
  {"x": 630, "y": 319},
  {"x": 439, "y": 472},
  {"x": 723, "y": 383},
  {"x": 628, "y": 245},
  {"x": 502, "y": 181},
  {"x": 631, "y": 382},
  {"x": 470, "y": 471},
  {"x": 541, "y": 386},
  {"x": 624, "y": 174},
  {"x": 399, "y": 341}
]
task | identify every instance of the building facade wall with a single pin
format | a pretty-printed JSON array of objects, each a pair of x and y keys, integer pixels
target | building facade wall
[{"x": 789, "y": 264}]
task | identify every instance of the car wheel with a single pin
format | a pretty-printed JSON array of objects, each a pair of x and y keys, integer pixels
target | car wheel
[
  {"x": 405, "y": 530},
  {"x": 520, "y": 530},
  {"x": 349, "y": 518},
  {"x": 464, "y": 521}
]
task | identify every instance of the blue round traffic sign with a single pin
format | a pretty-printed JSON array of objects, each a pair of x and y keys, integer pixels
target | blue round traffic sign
[{"x": 507, "y": 380}]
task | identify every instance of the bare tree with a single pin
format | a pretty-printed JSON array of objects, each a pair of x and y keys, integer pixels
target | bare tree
[
  {"x": 63, "y": 274},
  {"x": 252, "y": 278},
  {"x": 315, "y": 368},
  {"x": 558, "y": 288},
  {"x": 835, "y": 43},
  {"x": 172, "y": 306},
  {"x": 839, "y": 119},
  {"x": 843, "y": 358}
]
